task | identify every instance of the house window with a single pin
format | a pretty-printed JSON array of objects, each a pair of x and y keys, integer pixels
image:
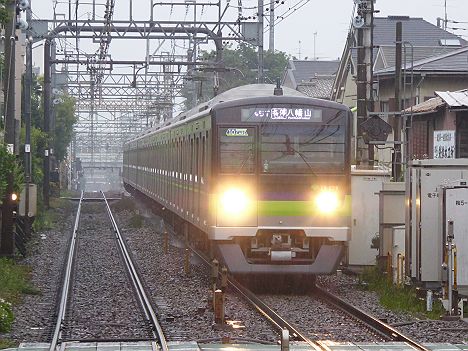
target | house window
[{"x": 384, "y": 106}]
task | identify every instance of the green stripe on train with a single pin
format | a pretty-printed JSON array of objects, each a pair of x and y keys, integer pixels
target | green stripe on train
[{"x": 298, "y": 208}]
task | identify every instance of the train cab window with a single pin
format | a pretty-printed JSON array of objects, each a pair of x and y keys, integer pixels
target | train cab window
[
  {"x": 237, "y": 150},
  {"x": 302, "y": 148}
]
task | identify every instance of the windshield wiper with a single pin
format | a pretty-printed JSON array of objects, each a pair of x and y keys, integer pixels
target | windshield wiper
[{"x": 303, "y": 159}]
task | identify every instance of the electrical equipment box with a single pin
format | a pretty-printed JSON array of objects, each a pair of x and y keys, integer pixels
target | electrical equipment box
[
  {"x": 365, "y": 188},
  {"x": 454, "y": 206},
  {"x": 391, "y": 214},
  {"x": 424, "y": 242}
]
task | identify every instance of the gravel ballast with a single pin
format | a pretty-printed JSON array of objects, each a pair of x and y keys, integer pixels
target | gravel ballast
[{"x": 183, "y": 301}]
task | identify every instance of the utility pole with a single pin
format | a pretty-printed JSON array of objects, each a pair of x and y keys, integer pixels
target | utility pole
[
  {"x": 396, "y": 169},
  {"x": 47, "y": 111},
  {"x": 260, "y": 41},
  {"x": 27, "y": 120},
  {"x": 271, "y": 44},
  {"x": 365, "y": 104},
  {"x": 7, "y": 242}
]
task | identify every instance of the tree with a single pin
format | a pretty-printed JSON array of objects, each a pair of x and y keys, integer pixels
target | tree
[
  {"x": 240, "y": 68},
  {"x": 9, "y": 163},
  {"x": 4, "y": 15},
  {"x": 64, "y": 120}
]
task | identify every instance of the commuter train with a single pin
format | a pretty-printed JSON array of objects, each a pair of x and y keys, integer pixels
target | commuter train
[{"x": 260, "y": 172}]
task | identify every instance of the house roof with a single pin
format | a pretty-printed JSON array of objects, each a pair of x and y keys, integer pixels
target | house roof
[
  {"x": 304, "y": 70},
  {"x": 454, "y": 98},
  {"x": 318, "y": 87},
  {"x": 416, "y": 31},
  {"x": 428, "y": 106},
  {"x": 455, "y": 61},
  {"x": 386, "y": 54},
  {"x": 444, "y": 98}
]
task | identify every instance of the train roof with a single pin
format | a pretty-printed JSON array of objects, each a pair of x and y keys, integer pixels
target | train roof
[
  {"x": 237, "y": 93},
  {"x": 248, "y": 94},
  {"x": 245, "y": 94}
]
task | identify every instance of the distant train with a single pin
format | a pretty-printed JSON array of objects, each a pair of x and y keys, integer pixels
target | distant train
[{"x": 262, "y": 173}]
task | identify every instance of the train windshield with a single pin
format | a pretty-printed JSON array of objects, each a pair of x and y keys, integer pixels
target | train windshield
[
  {"x": 302, "y": 148},
  {"x": 237, "y": 150}
]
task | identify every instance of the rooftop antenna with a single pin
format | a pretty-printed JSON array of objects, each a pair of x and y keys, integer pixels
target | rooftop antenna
[
  {"x": 315, "y": 38},
  {"x": 299, "y": 52},
  {"x": 445, "y": 17}
]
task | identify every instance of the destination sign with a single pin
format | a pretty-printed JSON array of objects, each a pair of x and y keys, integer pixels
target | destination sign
[
  {"x": 236, "y": 132},
  {"x": 260, "y": 114}
]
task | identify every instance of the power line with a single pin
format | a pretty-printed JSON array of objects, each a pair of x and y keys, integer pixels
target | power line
[{"x": 289, "y": 12}]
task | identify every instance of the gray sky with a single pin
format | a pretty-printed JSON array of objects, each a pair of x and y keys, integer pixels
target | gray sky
[{"x": 294, "y": 35}]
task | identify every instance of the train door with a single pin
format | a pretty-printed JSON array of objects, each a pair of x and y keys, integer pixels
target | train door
[
  {"x": 197, "y": 179},
  {"x": 203, "y": 200},
  {"x": 185, "y": 175}
]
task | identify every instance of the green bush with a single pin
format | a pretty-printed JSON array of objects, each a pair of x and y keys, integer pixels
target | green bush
[
  {"x": 9, "y": 165},
  {"x": 401, "y": 298},
  {"x": 6, "y": 316},
  {"x": 13, "y": 283},
  {"x": 14, "y": 280},
  {"x": 7, "y": 344}
]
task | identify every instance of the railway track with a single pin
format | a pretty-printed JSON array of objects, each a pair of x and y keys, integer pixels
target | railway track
[
  {"x": 381, "y": 330},
  {"x": 294, "y": 331},
  {"x": 374, "y": 324},
  {"x": 290, "y": 330},
  {"x": 74, "y": 321}
]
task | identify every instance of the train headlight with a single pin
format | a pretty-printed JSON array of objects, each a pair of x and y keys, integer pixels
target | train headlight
[
  {"x": 234, "y": 201},
  {"x": 327, "y": 201}
]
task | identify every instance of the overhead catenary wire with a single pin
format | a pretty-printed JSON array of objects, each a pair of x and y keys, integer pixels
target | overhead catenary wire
[{"x": 291, "y": 10}]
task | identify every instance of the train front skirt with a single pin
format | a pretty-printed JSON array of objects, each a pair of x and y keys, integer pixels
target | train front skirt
[{"x": 326, "y": 262}]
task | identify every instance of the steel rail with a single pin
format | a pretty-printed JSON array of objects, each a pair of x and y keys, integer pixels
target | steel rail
[
  {"x": 260, "y": 306},
  {"x": 372, "y": 322},
  {"x": 264, "y": 309},
  {"x": 145, "y": 303},
  {"x": 56, "y": 339},
  {"x": 269, "y": 313}
]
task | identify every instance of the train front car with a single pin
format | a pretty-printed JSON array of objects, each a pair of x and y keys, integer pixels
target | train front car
[{"x": 281, "y": 172}]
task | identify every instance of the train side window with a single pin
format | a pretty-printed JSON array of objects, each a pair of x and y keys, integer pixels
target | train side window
[
  {"x": 197, "y": 158},
  {"x": 191, "y": 160}
]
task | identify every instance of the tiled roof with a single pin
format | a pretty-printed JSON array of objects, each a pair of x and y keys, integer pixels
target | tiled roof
[
  {"x": 318, "y": 87},
  {"x": 431, "y": 105},
  {"x": 416, "y": 31},
  {"x": 305, "y": 70},
  {"x": 443, "y": 98},
  {"x": 455, "y": 61},
  {"x": 301, "y": 71},
  {"x": 386, "y": 54}
]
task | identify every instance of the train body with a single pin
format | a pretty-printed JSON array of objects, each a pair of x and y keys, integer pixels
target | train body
[{"x": 265, "y": 177}]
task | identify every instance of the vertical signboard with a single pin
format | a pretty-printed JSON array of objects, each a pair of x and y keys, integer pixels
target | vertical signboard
[{"x": 444, "y": 144}]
